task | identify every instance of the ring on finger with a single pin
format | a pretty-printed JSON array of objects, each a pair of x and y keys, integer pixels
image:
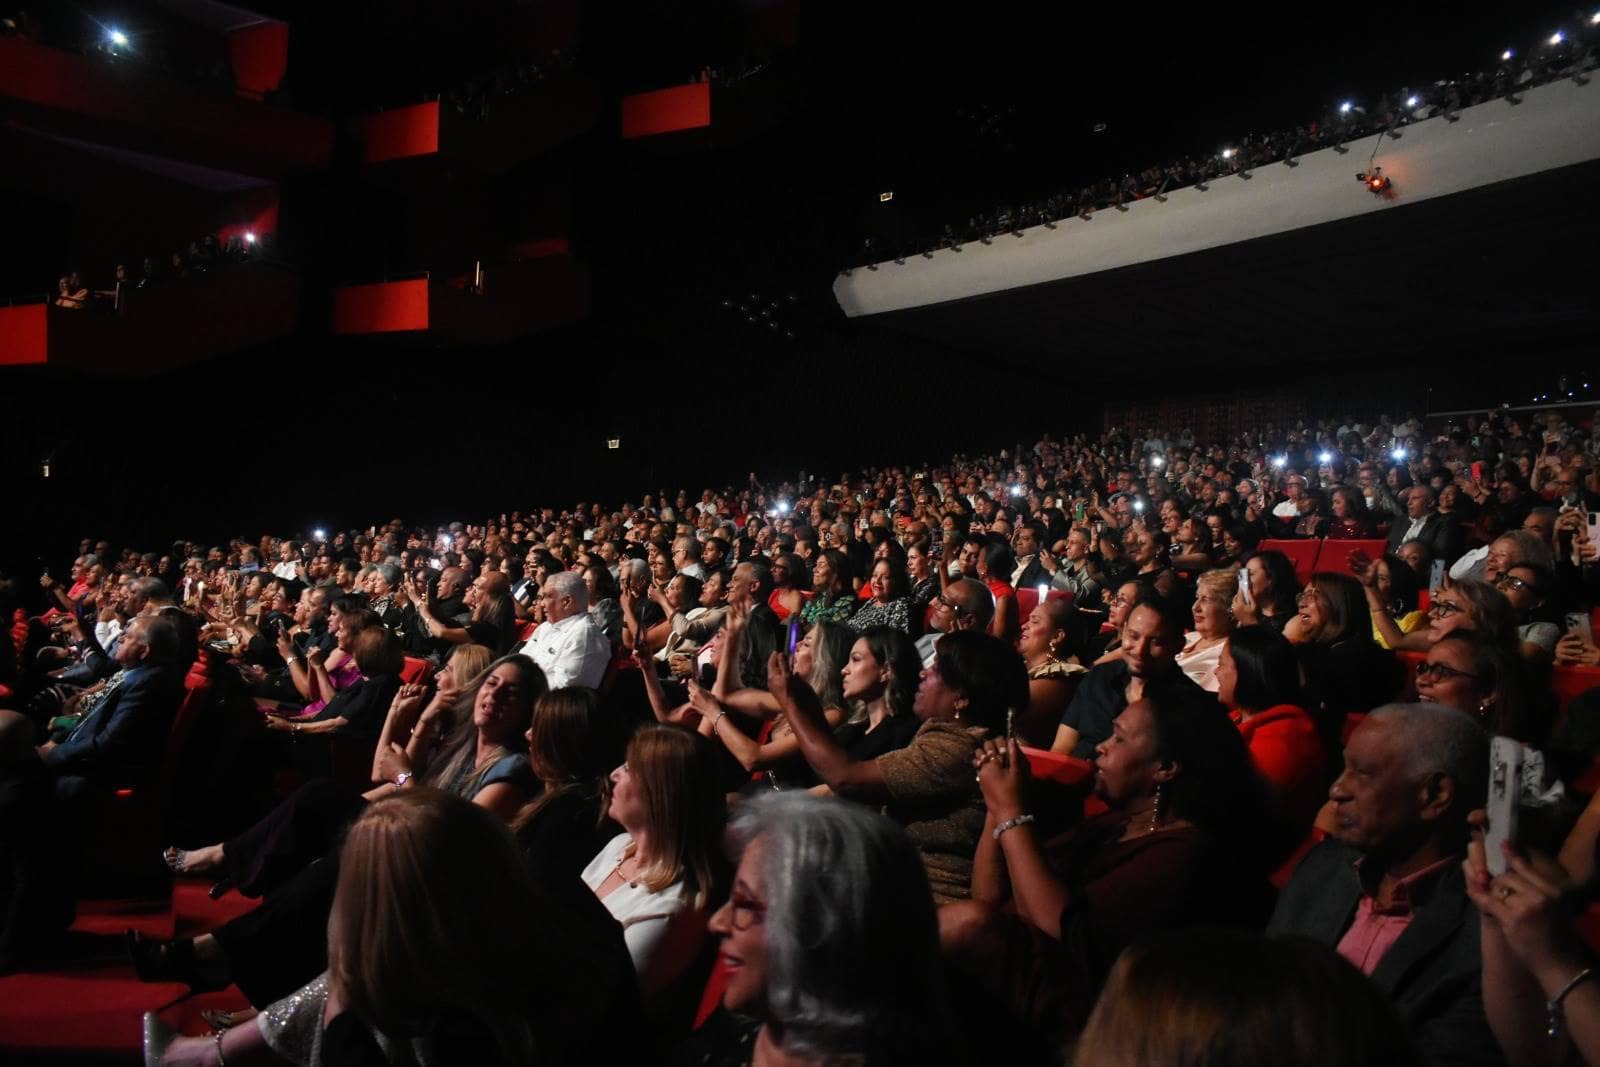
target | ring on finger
[{"x": 1506, "y": 891}]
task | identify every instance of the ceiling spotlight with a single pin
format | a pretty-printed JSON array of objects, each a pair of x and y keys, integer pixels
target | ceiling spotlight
[
  {"x": 249, "y": 237},
  {"x": 1413, "y": 101},
  {"x": 1505, "y": 56},
  {"x": 1556, "y": 38},
  {"x": 1344, "y": 108},
  {"x": 117, "y": 37}
]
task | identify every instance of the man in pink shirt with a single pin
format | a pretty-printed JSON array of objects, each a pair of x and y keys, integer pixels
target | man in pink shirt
[{"x": 1386, "y": 890}]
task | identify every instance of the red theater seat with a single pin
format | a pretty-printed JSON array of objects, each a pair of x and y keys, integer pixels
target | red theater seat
[
  {"x": 1028, "y": 598},
  {"x": 1335, "y": 555},
  {"x": 416, "y": 671},
  {"x": 1570, "y": 683}
]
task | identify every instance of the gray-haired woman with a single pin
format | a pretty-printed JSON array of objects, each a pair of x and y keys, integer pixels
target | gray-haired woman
[{"x": 829, "y": 942}]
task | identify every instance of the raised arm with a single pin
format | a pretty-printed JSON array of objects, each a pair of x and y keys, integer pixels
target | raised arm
[
  {"x": 847, "y": 777},
  {"x": 1040, "y": 897}
]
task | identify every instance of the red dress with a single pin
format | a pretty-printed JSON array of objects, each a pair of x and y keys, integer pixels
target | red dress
[{"x": 1286, "y": 749}]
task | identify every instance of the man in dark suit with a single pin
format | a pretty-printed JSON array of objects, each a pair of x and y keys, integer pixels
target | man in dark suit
[
  {"x": 1029, "y": 571},
  {"x": 1440, "y": 533},
  {"x": 1386, "y": 891},
  {"x": 123, "y": 739}
]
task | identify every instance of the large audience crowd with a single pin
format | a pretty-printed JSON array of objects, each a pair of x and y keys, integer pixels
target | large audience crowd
[
  {"x": 1038, "y": 757},
  {"x": 1570, "y": 53}
]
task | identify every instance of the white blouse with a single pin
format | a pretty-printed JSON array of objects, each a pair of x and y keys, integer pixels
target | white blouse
[{"x": 663, "y": 929}]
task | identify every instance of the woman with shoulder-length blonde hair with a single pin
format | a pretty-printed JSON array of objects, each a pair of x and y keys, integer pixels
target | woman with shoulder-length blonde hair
[
  {"x": 1213, "y": 622},
  {"x": 659, "y": 876}
]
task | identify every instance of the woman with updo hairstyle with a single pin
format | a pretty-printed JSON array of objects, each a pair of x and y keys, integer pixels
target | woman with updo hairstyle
[
  {"x": 1220, "y": 998},
  {"x": 830, "y": 943},
  {"x": 1179, "y": 845},
  {"x": 1046, "y": 646},
  {"x": 927, "y": 786}
]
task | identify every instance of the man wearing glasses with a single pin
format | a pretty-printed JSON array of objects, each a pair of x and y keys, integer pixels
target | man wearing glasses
[{"x": 965, "y": 604}]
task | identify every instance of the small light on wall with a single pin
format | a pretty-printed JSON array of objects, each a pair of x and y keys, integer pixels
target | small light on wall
[
  {"x": 886, "y": 196},
  {"x": 613, "y": 443}
]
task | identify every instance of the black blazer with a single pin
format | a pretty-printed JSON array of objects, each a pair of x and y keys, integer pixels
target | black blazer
[
  {"x": 1432, "y": 974},
  {"x": 1440, "y": 533},
  {"x": 1032, "y": 575},
  {"x": 125, "y": 738}
]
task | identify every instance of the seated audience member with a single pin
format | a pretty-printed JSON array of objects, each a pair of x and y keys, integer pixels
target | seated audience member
[
  {"x": 1466, "y": 671},
  {"x": 789, "y": 579},
  {"x": 1349, "y": 520},
  {"x": 1392, "y": 589},
  {"x": 659, "y": 875},
  {"x": 1529, "y": 588},
  {"x": 291, "y": 855},
  {"x": 1345, "y": 672},
  {"x": 820, "y": 658},
  {"x": 1422, "y": 522},
  {"x": 1273, "y": 588},
  {"x": 71, "y": 293},
  {"x": 832, "y": 599},
  {"x": 417, "y": 727},
  {"x": 1073, "y": 571},
  {"x": 1213, "y": 622},
  {"x": 1044, "y": 645},
  {"x": 36, "y": 902},
  {"x": 921, "y": 566},
  {"x": 1176, "y": 848},
  {"x": 1223, "y": 998},
  {"x": 1258, "y": 681},
  {"x": 831, "y": 943},
  {"x": 568, "y": 647},
  {"x": 442, "y": 947},
  {"x": 1150, "y": 641},
  {"x": 699, "y": 615},
  {"x": 492, "y": 623},
  {"x": 571, "y": 753},
  {"x": 644, "y": 623},
  {"x": 926, "y": 786},
  {"x": 326, "y": 669},
  {"x": 966, "y": 604},
  {"x": 994, "y": 567},
  {"x": 1387, "y": 889},
  {"x": 605, "y": 601},
  {"x": 1539, "y": 979},
  {"x": 749, "y": 588},
  {"x": 122, "y": 741},
  {"x": 1466, "y": 604},
  {"x": 358, "y": 710},
  {"x": 890, "y": 604},
  {"x": 1107, "y": 645}
]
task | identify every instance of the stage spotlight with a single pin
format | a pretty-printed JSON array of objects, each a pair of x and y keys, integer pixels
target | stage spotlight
[{"x": 117, "y": 38}]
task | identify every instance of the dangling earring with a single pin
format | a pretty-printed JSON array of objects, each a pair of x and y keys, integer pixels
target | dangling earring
[{"x": 1155, "y": 811}]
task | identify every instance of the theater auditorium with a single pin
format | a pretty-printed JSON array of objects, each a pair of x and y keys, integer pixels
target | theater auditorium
[{"x": 767, "y": 532}]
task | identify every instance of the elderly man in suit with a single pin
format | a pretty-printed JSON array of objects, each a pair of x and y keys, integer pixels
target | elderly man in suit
[
  {"x": 1387, "y": 890},
  {"x": 121, "y": 741},
  {"x": 1421, "y": 522}
]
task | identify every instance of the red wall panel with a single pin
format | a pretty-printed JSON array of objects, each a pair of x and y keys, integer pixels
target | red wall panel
[
  {"x": 402, "y": 132},
  {"x": 384, "y": 307},
  {"x": 22, "y": 334},
  {"x": 683, "y": 107},
  {"x": 259, "y": 55}
]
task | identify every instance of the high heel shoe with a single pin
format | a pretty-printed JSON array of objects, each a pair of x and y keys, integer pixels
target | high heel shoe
[{"x": 167, "y": 961}]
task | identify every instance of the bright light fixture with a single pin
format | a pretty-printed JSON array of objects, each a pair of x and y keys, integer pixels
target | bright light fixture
[
  {"x": 1344, "y": 108},
  {"x": 1506, "y": 55},
  {"x": 117, "y": 37},
  {"x": 1556, "y": 38}
]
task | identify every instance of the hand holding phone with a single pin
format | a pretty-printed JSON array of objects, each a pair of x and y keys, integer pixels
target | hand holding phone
[{"x": 1505, "y": 787}]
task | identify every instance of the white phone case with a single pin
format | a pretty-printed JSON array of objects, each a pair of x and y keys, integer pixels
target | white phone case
[{"x": 1505, "y": 778}]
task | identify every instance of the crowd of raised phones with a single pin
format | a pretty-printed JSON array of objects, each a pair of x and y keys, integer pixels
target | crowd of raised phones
[{"x": 1042, "y": 757}]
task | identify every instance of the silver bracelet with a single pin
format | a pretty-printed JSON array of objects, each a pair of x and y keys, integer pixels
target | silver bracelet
[
  {"x": 1554, "y": 1010},
  {"x": 222, "y": 1061},
  {"x": 1011, "y": 824}
]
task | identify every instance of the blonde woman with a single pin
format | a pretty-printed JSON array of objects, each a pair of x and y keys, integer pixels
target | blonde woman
[{"x": 1213, "y": 622}]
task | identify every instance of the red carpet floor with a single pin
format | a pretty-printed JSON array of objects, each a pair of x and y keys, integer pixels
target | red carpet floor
[{"x": 89, "y": 1007}]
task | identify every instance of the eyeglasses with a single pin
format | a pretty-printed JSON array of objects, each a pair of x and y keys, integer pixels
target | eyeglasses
[
  {"x": 1439, "y": 672},
  {"x": 1511, "y": 581},
  {"x": 1304, "y": 597},
  {"x": 745, "y": 913},
  {"x": 1443, "y": 609}
]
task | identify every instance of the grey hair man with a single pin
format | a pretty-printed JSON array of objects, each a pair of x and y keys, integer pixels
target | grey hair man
[
  {"x": 568, "y": 645},
  {"x": 1387, "y": 890}
]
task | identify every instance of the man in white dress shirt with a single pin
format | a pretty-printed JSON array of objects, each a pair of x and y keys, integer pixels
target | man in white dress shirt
[{"x": 568, "y": 646}]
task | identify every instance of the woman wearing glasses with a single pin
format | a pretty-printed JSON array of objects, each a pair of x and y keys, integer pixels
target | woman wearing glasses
[
  {"x": 1464, "y": 604},
  {"x": 1528, "y": 587},
  {"x": 1467, "y": 671},
  {"x": 1392, "y": 586}
]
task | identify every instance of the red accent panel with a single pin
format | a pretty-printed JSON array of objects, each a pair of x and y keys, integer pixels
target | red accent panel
[
  {"x": 258, "y": 217},
  {"x": 23, "y": 334},
  {"x": 381, "y": 308},
  {"x": 402, "y": 132},
  {"x": 542, "y": 247},
  {"x": 683, "y": 107},
  {"x": 260, "y": 55}
]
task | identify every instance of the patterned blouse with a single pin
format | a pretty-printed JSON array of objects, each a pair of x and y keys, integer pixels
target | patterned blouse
[
  {"x": 896, "y": 613},
  {"x": 822, "y": 608}
]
